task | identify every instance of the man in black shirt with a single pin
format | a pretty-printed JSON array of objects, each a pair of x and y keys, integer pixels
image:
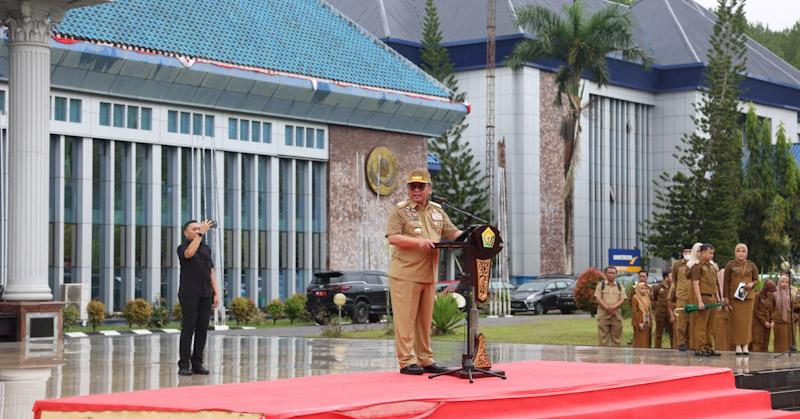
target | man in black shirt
[{"x": 197, "y": 294}]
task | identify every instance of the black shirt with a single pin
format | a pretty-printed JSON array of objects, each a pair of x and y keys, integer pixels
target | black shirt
[{"x": 195, "y": 272}]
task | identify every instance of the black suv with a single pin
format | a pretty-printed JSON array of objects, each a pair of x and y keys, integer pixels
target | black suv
[
  {"x": 366, "y": 293},
  {"x": 548, "y": 292}
]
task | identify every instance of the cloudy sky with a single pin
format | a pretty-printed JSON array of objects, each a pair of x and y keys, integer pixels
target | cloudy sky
[{"x": 778, "y": 14}]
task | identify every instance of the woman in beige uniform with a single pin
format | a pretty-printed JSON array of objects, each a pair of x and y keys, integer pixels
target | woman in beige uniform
[
  {"x": 785, "y": 305},
  {"x": 763, "y": 317},
  {"x": 740, "y": 271},
  {"x": 641, "y": 316}
]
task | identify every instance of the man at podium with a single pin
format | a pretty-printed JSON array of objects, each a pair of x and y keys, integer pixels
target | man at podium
[{"x": 413, "y": 227}]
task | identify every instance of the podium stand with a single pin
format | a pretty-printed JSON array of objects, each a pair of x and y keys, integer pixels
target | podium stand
[{"x": 480, "y": 244}]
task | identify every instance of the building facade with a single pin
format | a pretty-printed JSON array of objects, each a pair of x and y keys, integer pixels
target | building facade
[
  {"x": 629, "y": 134},
  {"x": 158, "y": 117}
]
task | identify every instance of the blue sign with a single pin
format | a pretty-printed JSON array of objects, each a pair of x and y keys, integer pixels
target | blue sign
[{"x": 629, "y": 260}]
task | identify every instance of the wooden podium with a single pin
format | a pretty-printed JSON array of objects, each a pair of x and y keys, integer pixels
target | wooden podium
[{"x": 480, "y": 243}]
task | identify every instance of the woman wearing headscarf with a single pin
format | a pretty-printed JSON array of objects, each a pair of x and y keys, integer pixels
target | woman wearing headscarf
[
  {"x": 740, "y": 274},
  {"x": 763, "y": 317},
  {"x": 693, "y": 259},
  {"x": 785, "y": 306},
  {"x": 641, "y": 316}
]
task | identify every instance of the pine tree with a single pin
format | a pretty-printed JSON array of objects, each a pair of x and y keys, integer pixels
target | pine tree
[
  {"x": 707, "y": 193},
  {"x": 459, "y": 180},
  {"x": 787, "y": 183}
]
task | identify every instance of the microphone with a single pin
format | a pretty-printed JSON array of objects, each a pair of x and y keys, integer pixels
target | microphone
[{"x": 438, "y": 199}]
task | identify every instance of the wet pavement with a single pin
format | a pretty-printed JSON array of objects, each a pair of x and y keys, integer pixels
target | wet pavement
[{"x": 29, "y": 372}]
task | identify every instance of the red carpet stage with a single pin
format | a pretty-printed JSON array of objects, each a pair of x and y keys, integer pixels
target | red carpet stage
[{"x": 534, "y": 389}]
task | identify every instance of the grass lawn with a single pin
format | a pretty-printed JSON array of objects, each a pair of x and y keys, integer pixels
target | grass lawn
[{"x": 578, "y": 331}]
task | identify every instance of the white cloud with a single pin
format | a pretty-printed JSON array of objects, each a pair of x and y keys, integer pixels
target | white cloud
[{"x": 777, "y": 14}]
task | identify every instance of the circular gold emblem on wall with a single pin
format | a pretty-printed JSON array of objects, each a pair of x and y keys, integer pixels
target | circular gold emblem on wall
[{"x": 382, "y": 171}]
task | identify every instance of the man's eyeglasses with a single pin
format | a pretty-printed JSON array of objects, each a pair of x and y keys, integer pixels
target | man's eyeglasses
[{"x": 417, "y": 186}]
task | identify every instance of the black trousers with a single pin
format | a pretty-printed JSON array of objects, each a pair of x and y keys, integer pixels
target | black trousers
[{"x": 196, "y": 313}]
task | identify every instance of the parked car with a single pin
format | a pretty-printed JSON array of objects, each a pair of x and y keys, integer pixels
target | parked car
[
  {"x": 366, "y": 293},
  {"x": 548, "y": 292}
]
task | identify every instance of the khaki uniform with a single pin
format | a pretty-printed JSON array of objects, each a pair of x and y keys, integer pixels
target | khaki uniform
[
  {"x": 609, "y": 326},
  {"x": 412, "y": 278},
  {"x": 763, "y": 313},
  {"x": 680, "y": 297},
  {"x": 641, "y": 337},
  {"x": 705, "y": 274},
  {"x": 741, "y": 317},
  {"x": 783, "y": 328},
  {"x": 662, "y": 314}
]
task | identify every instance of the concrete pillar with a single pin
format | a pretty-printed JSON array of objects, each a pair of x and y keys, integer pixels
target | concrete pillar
[
  {"x": 273, "y": 227},
  {"x": 82, "y": 270},
  {"x": 252, "y": 196},
  {"x": 308, "y": 245},
  {"x": 152, "y": 289},
  {"x": 107, "y": 256},
  {"x": 291, "y": 219},
  {"x": 235, "y": 184}
]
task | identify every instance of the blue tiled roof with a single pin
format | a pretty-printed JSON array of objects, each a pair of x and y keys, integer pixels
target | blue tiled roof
[
  {"x": 305, "y": 37},
  {"x": 796, "y": 152}
]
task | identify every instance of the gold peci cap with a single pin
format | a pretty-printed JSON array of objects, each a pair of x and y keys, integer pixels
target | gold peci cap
[{"x": 419, "y": 176}]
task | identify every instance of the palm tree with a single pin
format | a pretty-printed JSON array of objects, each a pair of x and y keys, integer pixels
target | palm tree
[{"x": 581, "y": 42}]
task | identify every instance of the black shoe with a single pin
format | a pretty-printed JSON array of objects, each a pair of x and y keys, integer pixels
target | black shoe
[
  {"x": 412, "y": 369},
  {"x": 199, "y": 370},
  {"x": 682, "y": 347},
  {"x": 434, "y": 368},
  {"x": 184, "y": 371},
  {"x": 746, "y": 353},
  {"x": 711, "y": 352},
  {"x": 701, "y": 353},
  {"x": 739, "y": 353}
]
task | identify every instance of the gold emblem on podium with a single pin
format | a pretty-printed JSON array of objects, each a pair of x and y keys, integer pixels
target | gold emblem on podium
[
  {"x": 382, "y": 172},
  {"x": 488, "y": 238}
]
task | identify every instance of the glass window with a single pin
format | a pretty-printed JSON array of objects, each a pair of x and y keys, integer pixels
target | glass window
[
  {"x": 75, "y": 110},
  {"x": 298, "y": 136},
  {"x": 2, "y": 100},
  {"x": 60, "y": 113},
  {"x": 267, "y": 132},
  {"x": 197, "y": 124},
  {"x": 105, "y": 113},
  {"x": 133, "y": 117},
  {"x": 289, "y": 135},
  {"x": 147, "y": 119},
  {"x": 172, "y": 121},
  {"x": 233, "y": 126},
  {"x": 119, "y": 115},
  {"x": 310, "y": 137},
  {"x": 256, "y": 131},
  {"x": 209, "y": 126},
  {"x": 185, "y": 121},
  {"x": 320, "y": 139},
  {"x": 244, "y": 130}
]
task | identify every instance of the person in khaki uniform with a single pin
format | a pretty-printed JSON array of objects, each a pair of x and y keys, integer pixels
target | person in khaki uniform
[
  {"x": 679, "y": 295},
  {"x": 763, "y": 317},
  {"x": 413, "y": 227},
  {"x": 740, "y": 270},
  {"x": 722, "y": 326},
  {"x": 704, "y": 291},
  {"x": 664, "y": 316},
  {"x": 786, "y": 305},
  {"x": 641, "y": 315},
  {"x": 609, "y": 296}
]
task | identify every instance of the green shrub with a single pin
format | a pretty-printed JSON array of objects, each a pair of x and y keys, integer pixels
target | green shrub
[
  {"x": 177, "y": 312},
  {"x": 71, "y": 315},
  {"x": 137, "y": 311},
  {"x": 244, "y": 310},
  {"x": 627, "y": 311},
  {"x": 275, "y": 310},
  {"x": 584, "y": 290},
  {"x": 446, "y": 315},
  {"x": 96, "y": 311},
  {"x": 295, "y": 307},
  {"x": 160, "y": 316}
]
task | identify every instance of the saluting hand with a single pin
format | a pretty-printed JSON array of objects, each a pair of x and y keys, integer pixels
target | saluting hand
[{"x": 204, "y": 226}]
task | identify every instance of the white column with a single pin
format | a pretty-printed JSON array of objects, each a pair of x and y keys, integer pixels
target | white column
[
  {"x": 177, "y": 233},
  {"x": 82, "y": 151},
  {"x": 153, "y": 221},
  {"x": 219, "y": 245},
  {"x": 58, "y": 218},
  {"x": 252, "y": 196},
  {"x": 129, "y": 203},
  {"x": 291, "y": 242},
  {"x": 273, "y": 227},
  {"x": 29, "y": 29},
  {"x": 107, "y": 244},
  {"x": 20, "y": 388},
  {"x": 309, "y": 225},
  {"x": 236, "y": 219}
]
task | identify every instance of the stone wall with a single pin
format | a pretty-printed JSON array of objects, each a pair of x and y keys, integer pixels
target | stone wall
[
  {"x": 551, "y": 178},
  {"x": 356, "y": 215}
]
